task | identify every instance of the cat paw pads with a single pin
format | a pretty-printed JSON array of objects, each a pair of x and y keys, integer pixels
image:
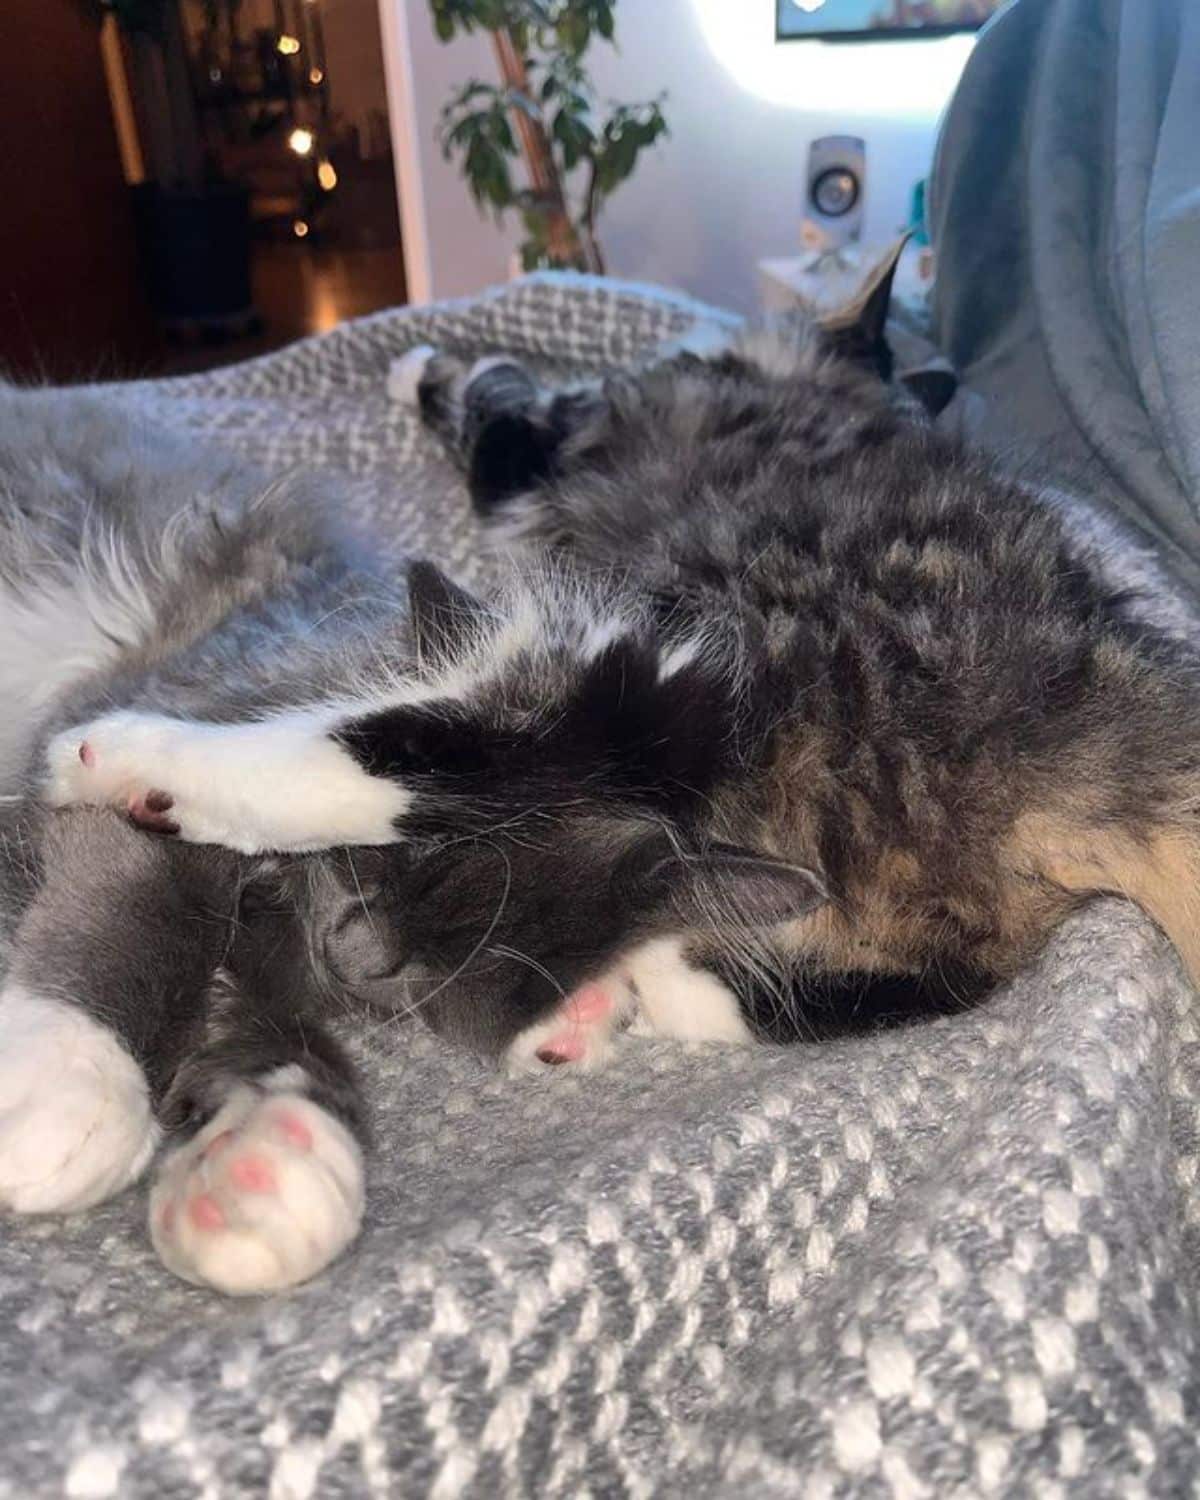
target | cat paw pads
[
  {"x": 150, "y": 810},
  {"x": 578, "y": 1034},
  {"x": 106, "y": 763},
  {"x": 265, "y": 1196}
]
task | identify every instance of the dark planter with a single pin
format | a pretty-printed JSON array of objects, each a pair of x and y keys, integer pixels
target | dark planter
[{"x": 196, "y": 247}]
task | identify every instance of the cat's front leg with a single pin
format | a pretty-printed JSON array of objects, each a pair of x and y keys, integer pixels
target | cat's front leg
[
  {"x": 282, "y": 784},
  {"x": 656, "y": 991}
]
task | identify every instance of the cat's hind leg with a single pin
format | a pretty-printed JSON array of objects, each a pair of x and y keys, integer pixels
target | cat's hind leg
[
  {"x": 265, "y": 1195},
  {"x": 501, "y": 428},
  {"x": 76, "y": 1121},
  {"x": 108, "y": 969},
  {"x": 265, "y": 1183}
]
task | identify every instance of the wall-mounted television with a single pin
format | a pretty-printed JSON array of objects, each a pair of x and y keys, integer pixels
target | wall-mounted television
[{"x": 849, "y": 20}]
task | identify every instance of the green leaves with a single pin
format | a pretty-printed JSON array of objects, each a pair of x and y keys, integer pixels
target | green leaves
[
  {"x": 573, "y": 134},
  {"x": 558, "y": 100},
  {"x": 452, "y": 16},
  {"x": 626, "y": 134},
  {"x": 475, "y": 125},
  {"x": 565, "y": 25}
]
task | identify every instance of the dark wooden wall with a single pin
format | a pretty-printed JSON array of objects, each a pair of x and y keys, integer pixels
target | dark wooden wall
[{"x": 71, "y": 302}]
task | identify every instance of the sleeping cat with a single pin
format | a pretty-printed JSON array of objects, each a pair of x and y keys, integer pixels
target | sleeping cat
[{"x": 794, "y": 697}]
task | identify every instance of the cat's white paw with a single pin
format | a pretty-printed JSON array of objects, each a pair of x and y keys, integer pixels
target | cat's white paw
[
  {"x": 121, "y": 760},
  {"x": 578, "y": 1034},
  {"x": 656, "y": 992},
  {"x": 231, "y": 784},
  {"x": 265, "y": 1196},
  {"x": 75, "y": 1119},
  {"x": 404, "y": 374},
  {"x": 680, "y": 999}
]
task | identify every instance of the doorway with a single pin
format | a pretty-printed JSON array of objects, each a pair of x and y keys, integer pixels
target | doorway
[{"x": 231, "y": 184}]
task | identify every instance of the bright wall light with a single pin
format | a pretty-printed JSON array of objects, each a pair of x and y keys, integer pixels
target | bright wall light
[{"x": 912, "y": 79}]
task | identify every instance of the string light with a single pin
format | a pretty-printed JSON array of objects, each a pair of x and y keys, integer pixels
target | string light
[
  {"x": 326, "y": 176},
  {"x": 287, "y": 45},
  {"x": 315, "y": 75},
  {"x": 300, "y": 228},
  {"x": 301, "y": 140}
]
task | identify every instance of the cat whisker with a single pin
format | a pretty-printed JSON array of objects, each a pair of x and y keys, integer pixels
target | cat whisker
[
  {"x": 525, "y": 958},
  {"x": 414, "y": 1008}
]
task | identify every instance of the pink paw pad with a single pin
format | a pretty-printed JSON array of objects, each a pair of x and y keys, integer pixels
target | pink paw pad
[
  {"x": 293, "y": 1129},
  {"x": 589, "y": 1005},
  {"x": 149, "y": 810},
  {"x": 252, "y": 1174},
  {"x": 87, "y": 755},
  {"x": 582, "y": 1017},
  {"x": 205, "y": 1212},
  {"x": 561, "y": 1049},
  {"x": 218, "y": 1143}
]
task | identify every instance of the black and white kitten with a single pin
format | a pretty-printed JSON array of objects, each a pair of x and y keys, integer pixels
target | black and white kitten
[{"x": 795, "y": 697}]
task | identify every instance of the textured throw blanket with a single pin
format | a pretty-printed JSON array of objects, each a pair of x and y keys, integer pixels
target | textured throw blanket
[{"x": 954, "y": 1260}]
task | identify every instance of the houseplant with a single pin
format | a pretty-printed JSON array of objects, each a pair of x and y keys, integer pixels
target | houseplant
[{"x": 544, "y": 109}]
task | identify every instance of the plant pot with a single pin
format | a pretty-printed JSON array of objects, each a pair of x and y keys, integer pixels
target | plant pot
[{"x": 195, "y": 245}]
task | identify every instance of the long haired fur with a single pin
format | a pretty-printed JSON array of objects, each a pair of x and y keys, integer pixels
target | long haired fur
[{"x": 794, "y": 708}]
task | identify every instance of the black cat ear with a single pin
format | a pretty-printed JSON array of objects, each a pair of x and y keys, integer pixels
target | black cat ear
[
  {"x": 443, "y": 615},
  {"x": 723, "y": 885},
  {"x": 862, "y": 320},
  {"x": 512, "y": 453},
  {"x": 934, "y": 385}
]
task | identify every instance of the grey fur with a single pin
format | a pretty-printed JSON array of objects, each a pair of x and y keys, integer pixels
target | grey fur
[
  {"x": 702, "y": 1270},
  {"x": 243, "y": 597},
  {"x": 796, "y": 682}
]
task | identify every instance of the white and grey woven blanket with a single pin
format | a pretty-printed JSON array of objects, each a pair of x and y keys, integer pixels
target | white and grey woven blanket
[{"x": 955, "y": 1260}]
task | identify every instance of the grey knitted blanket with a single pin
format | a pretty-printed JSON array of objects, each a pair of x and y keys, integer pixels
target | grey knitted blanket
[{"x": 953, "y": 1260}]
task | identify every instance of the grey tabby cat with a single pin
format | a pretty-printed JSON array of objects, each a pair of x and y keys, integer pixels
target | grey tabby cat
[{"x": 798, "y": 700}]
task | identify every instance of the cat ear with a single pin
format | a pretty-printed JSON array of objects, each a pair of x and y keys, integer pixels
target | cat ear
[
  {"x": 934, "y": 385},
  {"x": 723, "y": 884},
  {"x": 443, "y": 616},
  {"x": 862, "y": 320}
]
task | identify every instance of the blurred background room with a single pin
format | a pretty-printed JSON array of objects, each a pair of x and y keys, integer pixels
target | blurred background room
[{"x": 193, "y": 182}]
